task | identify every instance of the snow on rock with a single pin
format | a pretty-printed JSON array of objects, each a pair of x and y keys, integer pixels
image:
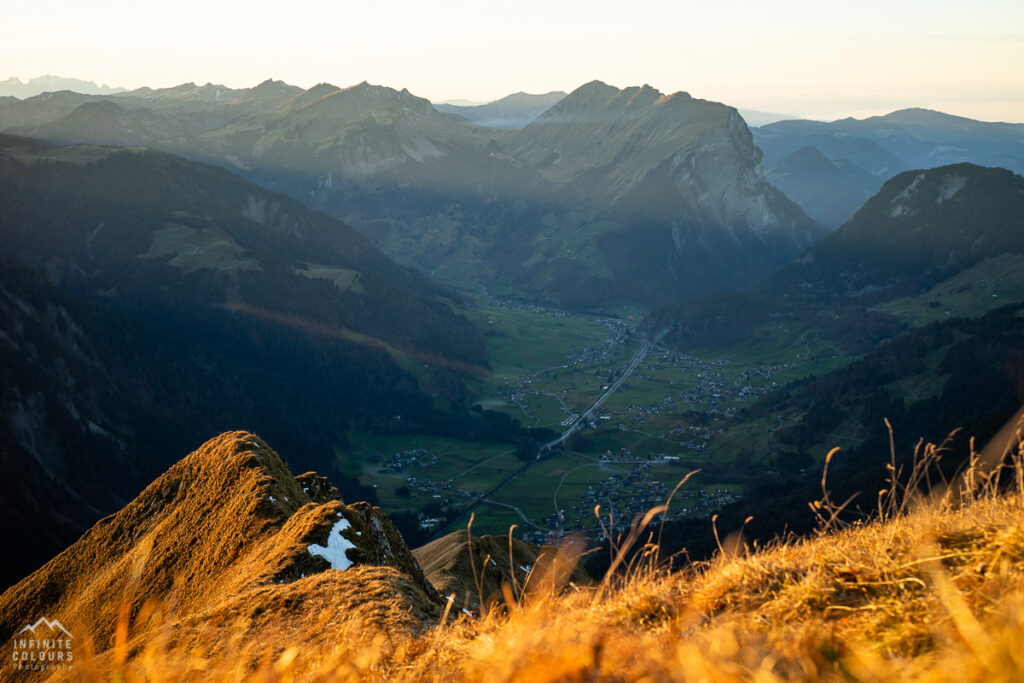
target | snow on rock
[{"x": 337, "y": 545}]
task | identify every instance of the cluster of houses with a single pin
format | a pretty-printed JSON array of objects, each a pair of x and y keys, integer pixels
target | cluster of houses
[
  {"x": 414, "y": 456},
  {"x": 624, "y": 496},
  {"x": 444, "y": 491}
]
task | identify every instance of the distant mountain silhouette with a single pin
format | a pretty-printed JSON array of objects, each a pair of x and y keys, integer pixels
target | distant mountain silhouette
[
  {"x": 880, "y": 146},
  {"x": 830, "y": 191},
  {"x": 511, "y": 112},
  {"x": 13, "y": 87}
]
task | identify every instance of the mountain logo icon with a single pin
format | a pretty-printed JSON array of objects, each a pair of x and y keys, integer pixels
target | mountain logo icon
[{"x": 52, "y": 625}]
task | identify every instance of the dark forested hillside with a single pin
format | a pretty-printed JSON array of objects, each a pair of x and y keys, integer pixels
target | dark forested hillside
[
  {"x": 150, "y": 302},
  {"x": 921, "y": 229}
]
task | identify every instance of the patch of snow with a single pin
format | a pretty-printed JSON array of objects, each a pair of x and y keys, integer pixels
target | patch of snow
[{"x": 337, "y": 546}]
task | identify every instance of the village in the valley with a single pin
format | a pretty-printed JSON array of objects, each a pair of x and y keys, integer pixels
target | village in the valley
[{"x": 663, "y": 390}]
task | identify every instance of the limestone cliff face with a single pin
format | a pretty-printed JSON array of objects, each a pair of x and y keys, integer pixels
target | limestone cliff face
[
  {"x": 677, "y": 200},
  {"x": 720, "y": 174}
]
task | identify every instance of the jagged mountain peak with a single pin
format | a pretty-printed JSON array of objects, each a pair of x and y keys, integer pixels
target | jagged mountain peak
[
  {"x": 272, "y": 86},
  {"x": 228, "y": 522},
  {"x": 357, "y": 101},
  {"x": 608, "y": 97},
  {"x": 622, "y": 133},
  {"x": 684, "y": 169},
  {"x": 50, "y": 83},
  {"x": 314, "y": 94}
]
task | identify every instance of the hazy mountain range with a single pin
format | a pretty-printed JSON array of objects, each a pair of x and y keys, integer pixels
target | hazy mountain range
[
  {"x": 14, "y": 87},
  {"x": 527, "y": 207},
  {"x": 854, "y": 157},
  {"x": 512, "y": 112},
  {"x": 537, "y": 210}
]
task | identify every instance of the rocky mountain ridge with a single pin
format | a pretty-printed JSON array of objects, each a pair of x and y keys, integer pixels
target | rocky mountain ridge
[
  {"x": 15, "y": 87},
  {"x": 550, "y": 211},
  {"x": 226, "y": 534}
]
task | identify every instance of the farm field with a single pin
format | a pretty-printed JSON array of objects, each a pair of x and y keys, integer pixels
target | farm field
[
  {"x": 971, "y": 293},
  {"x": 443, "y": 469}
]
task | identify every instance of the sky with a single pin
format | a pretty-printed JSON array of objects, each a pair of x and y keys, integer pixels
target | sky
[{"x": 820, "y": 59}]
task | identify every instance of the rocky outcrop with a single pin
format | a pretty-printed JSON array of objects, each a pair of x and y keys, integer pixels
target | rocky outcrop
[
  {"x": 225, "y": 529},
  {"x": 474, "y": 570}
]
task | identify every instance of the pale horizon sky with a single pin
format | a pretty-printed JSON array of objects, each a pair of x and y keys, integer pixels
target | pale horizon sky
[{"x": 818, "y": 59}]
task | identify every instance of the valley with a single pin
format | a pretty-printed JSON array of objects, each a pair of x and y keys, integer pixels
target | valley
[{"x": 672, "y": 414}]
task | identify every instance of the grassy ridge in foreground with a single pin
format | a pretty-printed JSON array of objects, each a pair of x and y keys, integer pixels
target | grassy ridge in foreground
[{"x": 930, "y": 593}]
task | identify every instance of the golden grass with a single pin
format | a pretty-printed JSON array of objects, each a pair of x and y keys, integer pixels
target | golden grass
[{"x": 933, "y": 590}]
